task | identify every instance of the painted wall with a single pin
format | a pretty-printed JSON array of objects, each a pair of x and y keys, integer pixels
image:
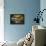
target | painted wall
[{"x": 26, "y": 7}]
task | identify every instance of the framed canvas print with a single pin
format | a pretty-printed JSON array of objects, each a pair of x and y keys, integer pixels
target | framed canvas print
[{"x": 16, "y": 18}]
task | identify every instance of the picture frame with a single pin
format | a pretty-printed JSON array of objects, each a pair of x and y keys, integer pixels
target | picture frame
[{"x": 17, "y": 18}]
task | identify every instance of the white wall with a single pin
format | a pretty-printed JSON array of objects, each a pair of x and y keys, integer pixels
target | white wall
[{"x": 1, "y": 20}]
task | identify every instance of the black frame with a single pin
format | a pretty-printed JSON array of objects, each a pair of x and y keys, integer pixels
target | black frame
[{"x": 15, "y": 18}]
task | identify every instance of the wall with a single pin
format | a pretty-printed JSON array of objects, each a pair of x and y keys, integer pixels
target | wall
[
  {"x": 26, "y": 7},
  {"x": 43, "y": 6},
  {"x": 1, "y": 20}
]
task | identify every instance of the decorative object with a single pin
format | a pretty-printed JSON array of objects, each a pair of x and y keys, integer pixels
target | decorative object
[
  {"x": 26, "y": 41},
  {"x": 39, "y": 16},
  {"x": 16, "y": 18}
]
